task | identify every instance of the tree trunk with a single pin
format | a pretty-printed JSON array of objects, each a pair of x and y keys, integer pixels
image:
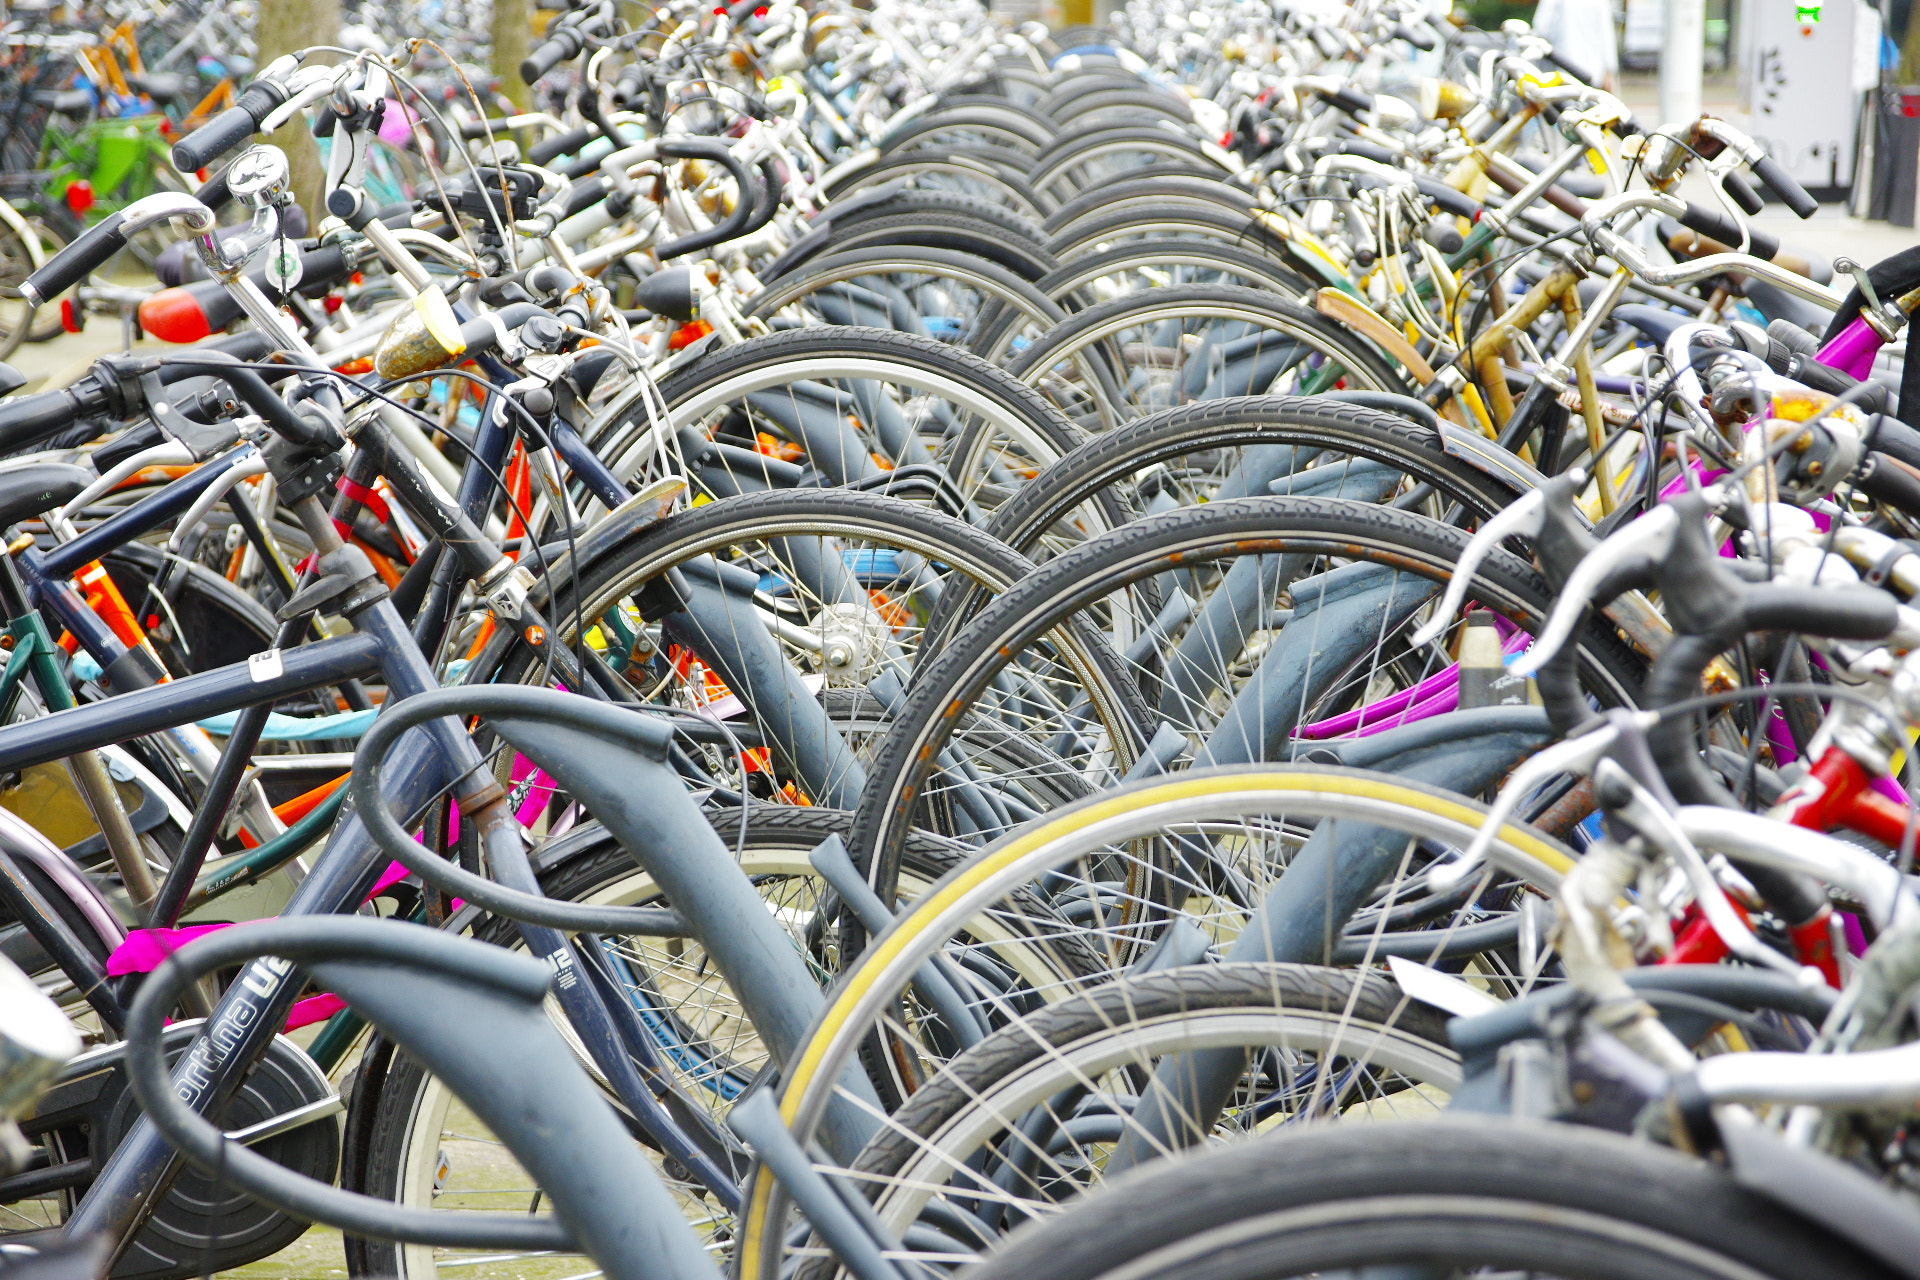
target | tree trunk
[
  {"x": 512, "y": 40},
  {"x": 287, "y": 26}
]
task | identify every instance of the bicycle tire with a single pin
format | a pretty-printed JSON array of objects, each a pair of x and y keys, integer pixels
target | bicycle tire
[
  {"x": 1003, "y": 413},
  {"x": 1110, "y": 458},
  {"x": 1089, "y": 341},
  {"x": 860, "y": 1001},
  {"x": 1010, "y": 301},
  {"x": 993, "y": 168},
  {"x": 1008, "y": 128},
  {"x": 1478, "y": 1190},
  {"x": 986, "y": 1096},
  {"x": 1010, "y": 625}
]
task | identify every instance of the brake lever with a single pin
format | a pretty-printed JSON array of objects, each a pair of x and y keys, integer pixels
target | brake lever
[
  {"x": 1645, "y": 542},
  {"x": 1528, "y": 515}
]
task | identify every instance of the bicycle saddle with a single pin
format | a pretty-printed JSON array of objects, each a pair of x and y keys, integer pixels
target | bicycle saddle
[
  {"x": 66, "y": 102},
  {"x": 37, "y": 489},
  {"x": 161, "y": 86},
  {"x": 1657, "y": 324}
]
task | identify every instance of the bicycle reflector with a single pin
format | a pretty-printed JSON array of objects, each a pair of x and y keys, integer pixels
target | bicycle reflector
[
  {"x": 80, "y": 197},
  {"x": 174, "y": 315}
]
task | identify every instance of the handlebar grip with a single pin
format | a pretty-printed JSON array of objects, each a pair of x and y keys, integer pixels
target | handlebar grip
[
  {"x": 630, "y": 84},
  {"x": 27, "y": 420},
  {"x": 482, "y": 128},
  {"x": 1791, "y": 193},
  {"x": 1883, "y": 479},
  {"x": 213, "y": 139},
  {"x": 772, "y": 194},
  {"x": 214, "y": 192},
  {"x": 1718, "y": 226},
  {"x": 228, "y": 129},
  {"x": 1839, "y": 613},
  {"x": 1743, "y": 194},
  {"x": 1367, "y": 151},
  {"x": 1420, "y": 40},
  {"x": 560, "y": 144},
  {"x": 86, "y": 252},
  {"x": 1444, "y": 196},
  {"x": 1571, "y": 67},
  {"x": 556, "y": 49},
  {"x": 1351, "y": 101}
]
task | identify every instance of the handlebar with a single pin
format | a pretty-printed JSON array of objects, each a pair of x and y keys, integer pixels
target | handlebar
[
  {"x": 743, "y": 211},
  {"x": 560, "y": 144},
  {"x": 1716, "y": 225},
  {"x": 26, "y": 421},
  {"x": 230, "y": 128},
  {"x": 1743, "y": 194},
  {"x": 563, "y": 45},
  {"x": 1778, "y": 181},
  {"x": 91, "y": 249}
]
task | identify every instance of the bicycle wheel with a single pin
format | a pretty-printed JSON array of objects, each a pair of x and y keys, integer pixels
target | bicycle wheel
[
  {"x": 987, "y": 173},
  {"x": 840, "y": 395},
  {"x": 838, "y": 572},
  {"x": 1476, "y": 1195},
  {"x": 1027, "y": 1119},
  {"x": 974, "y": 124},
  {"x": 935, "y": 293},
  {"x": 1201, "y": 453},
  {"x": 1113, "y": 850},
  {"x": 1193, "y": 600},
  {"x": 1126, "y": 358},
  {"x": 1082, "y": 161},
  {"x": 18, "y": 259}
]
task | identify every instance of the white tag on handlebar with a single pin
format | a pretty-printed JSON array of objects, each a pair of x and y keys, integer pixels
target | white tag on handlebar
[{"x": 265, "y": 665}]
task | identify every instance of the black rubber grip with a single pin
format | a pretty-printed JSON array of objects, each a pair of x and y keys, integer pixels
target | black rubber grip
[
  {"x": 1895, "y": 439},
  {"x": 484, "y": 129},
  {"x": 1421, "y": 40},
  {"x": 1367, "y": 151},
  {"x": 1439, "y": 193},
  {"x": 1571, "y": 67},
  {"x": 1885, "y": 480},
  {"x": 556, "y": 49},
  {"x": 25, "y": 421},
  {"x": 584, "y": 195},
  {"x": 560, "y": 144},
  {"x": 228, "y": 129},
  {"x": 630, "y": 84},
  {"x": 1840, "y": 613},
  {"x": 1718, "y": 226},
  {"x": 1804, "y": 369},
  {"x": 1791, "y": 193},
  {"x": 1743, "y": 194},
  {"x": 87, "y": 252},
  {"x": 772, "y": 193},
  {"x": 214, "y": 192},
  {"x": 1351, "y": 101}
]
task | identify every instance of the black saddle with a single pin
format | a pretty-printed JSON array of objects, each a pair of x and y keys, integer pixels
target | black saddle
[{"x": 161, "y": 86}]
